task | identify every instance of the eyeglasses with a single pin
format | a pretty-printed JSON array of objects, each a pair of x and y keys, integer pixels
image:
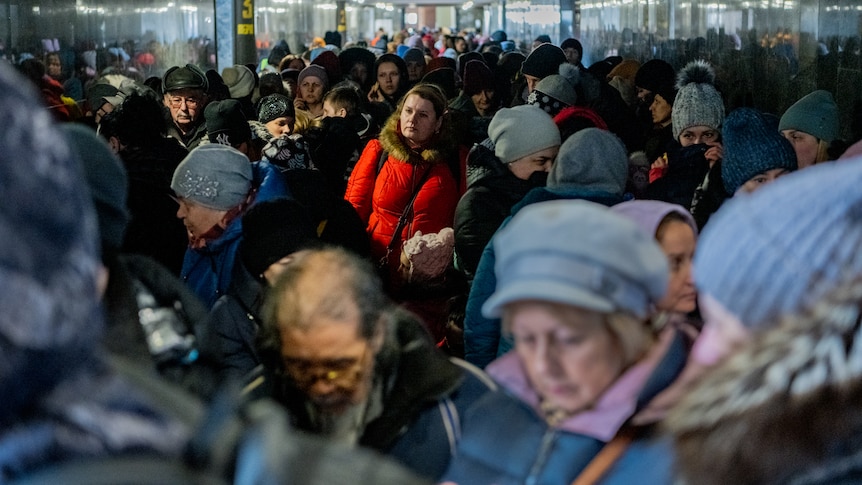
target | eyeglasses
[
  {"x": 343, "y": 373},
  {"x": 177, "y": 101}
]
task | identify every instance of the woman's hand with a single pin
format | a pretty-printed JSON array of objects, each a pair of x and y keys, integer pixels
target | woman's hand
[
  {"x": 374, "y": 94},
  {"x": 714, "y": 154},
  {"x": 299, "y": 103}
]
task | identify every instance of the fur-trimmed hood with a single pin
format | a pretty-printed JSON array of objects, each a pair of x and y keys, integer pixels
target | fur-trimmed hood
[
  {"x": 785, "y": 409},
  {"x": 441, "y": 147}
]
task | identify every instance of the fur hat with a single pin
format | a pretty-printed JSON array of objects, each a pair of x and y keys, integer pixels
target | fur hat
[
  {"x": 465, "y": 58},
  {"x": 816, "y": 114},
  {"x": 315, "y": 71},
  {"x": 543, "y": 61},
  {"x": 557, "y": 91},
  {"x": 591, "y": 159},
  {"x": 215, "y": 176},
  {"x": 577, "y": 253},
  {"x": 274, "y": 106},
  {"x": 520, "y": 131},
  {"x": 272, "y": 230},
  {"x": 226, "y": 123},
  {"x": 697, "y": 103},
  {"x": 477, "y": 77},
  {"x": 780, "y": 249},
  {"x": 752, "y": 145},
  {"x": 188, "y": 77},
  {"x": 239, "y": 80}
]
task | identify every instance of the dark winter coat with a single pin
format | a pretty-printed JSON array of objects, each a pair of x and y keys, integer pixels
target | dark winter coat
[
  {"x": 482, "y": 336},
  {"x": 488, "y": 201},
  {"x": 232, "y": 326},
  {"x": 686, "y": 168},
  {"x": 154, "y": 229}
]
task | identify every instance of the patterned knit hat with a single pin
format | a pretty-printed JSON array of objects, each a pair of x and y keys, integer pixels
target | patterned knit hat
[
  {"x": 557, "y": 91},
  {"x": 215, "y": 176},
  {"x": 697, "y": 102},
  {"x": 752, "y": 145},
  {"x": 815, "y": 114},
  {"x": 781, "y": 248},
  {"x": 274, "y": 106}
]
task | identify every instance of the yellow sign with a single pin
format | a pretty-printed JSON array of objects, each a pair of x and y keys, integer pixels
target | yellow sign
[
  {"x": 247, "y": 9},
  {"x": 245, "y": 29}
]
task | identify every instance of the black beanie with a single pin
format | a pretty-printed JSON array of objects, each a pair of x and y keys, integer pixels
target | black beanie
[
  {"x": 573, "y": 44},
  {"x": 272, "y": 230},
  {"x": 543, "y": 61},
  {"x": 226, "y": 123},
  {"x": 658, "y": 77}
]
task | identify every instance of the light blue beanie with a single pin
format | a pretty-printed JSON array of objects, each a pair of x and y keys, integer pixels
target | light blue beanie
[
  {"x": 577, "y": 253},
  {"x": 778, "y": 250},
  {"x": 593, "y": 160}
]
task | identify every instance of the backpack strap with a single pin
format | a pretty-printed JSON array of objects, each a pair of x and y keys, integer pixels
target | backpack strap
[{"x": 384, "y": 155}]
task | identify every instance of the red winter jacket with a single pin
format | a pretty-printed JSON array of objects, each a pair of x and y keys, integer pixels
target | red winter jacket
[{"x": 381, "y": 198}]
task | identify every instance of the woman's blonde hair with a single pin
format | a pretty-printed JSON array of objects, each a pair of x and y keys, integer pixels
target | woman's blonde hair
[{"x": 304, "y": 122}]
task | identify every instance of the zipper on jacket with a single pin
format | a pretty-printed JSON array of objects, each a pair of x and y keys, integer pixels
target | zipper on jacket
[{"x": 548, "y": 440}]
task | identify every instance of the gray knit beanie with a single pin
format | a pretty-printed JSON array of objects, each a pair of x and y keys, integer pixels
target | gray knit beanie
[
  {"x": 592, "y": 159},
  {"x": 521, "y": 131},
  {"x": 752, "y": 145},
  {"x": 815, "y": 114},
  {"x": 213, "y": 175},
  {"x": 556, "y": 91},
  {"x": 697, "y": 102},
  {"x": 780, "y": 249}
]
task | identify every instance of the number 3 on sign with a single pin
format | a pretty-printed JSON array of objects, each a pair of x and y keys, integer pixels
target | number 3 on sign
[{"x": 247, "y": 9}]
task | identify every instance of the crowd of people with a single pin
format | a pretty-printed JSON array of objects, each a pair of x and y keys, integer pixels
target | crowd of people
[{"x": 488, "y": 266}]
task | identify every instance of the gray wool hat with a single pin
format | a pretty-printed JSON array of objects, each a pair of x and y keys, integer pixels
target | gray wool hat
[
  {"x": 780, "y": 249},
  {"x": 556, "y": 91},
  {"x": 521, "y": 131},
  {"x": 697, "y": 102},
  {"x": 239, "y": 80},
  {"x": 215, "y": 176},
  {"x": 592, "y": 159},
  {"x": 577, "y": 253}
]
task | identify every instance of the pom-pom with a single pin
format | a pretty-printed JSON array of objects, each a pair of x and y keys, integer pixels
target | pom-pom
[
  {"x": 571, "y": 73},
  {"x": 698, "y": 71}
]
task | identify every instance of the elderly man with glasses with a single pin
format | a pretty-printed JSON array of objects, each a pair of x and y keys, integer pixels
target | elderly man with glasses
[
  {"x": 185, "y": 97},
  {"x": 351, "y": 366}
]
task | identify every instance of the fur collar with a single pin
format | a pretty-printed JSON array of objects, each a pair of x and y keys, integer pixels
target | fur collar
[
  {"x": 441, "y": 147},
  {"x": 784, "y": 405}
]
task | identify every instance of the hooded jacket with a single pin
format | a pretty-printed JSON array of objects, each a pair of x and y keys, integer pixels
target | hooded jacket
[
  {"x": 487, "y": 202},
  {"x": 380, "y": 198},
  {"x": 784, "y": 409}
]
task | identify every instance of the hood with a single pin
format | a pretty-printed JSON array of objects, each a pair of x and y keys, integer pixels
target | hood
[
  {"x": 789, "y": 402},
  {"x": 440, "y": 148}
]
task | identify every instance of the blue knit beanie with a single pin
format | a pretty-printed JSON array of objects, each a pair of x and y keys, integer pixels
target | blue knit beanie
[
  {"x": 780, "y": 249},
  {"x": 752, "y": 145},
  {"x": 815, "y": 114}
]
